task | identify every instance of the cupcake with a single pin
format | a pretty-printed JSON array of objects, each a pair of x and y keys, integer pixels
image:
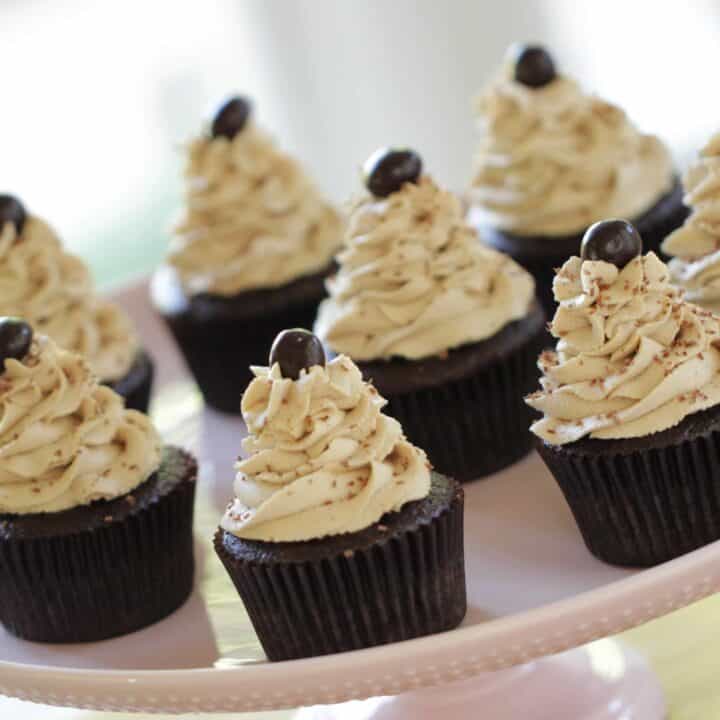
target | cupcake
[
  {"x": 696, "y": 245},
  {"x": 249, "y": 257},
  {"x": 340, "y": 536},
  {"x": 447, "y": 328},
  {"x": 631, "y": 403},
  {"x": 95, "y": 516},
  {"x": 53, "y": 290},
  {"x": 553, "y": 160}
]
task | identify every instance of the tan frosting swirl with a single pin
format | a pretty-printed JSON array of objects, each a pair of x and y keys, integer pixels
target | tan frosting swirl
[
  {"x": 632, "y": 359},
  {"x": 54, "y": 292},
  {"x": 554, "y": 160},
  {"x": 253, "y": 218},
  {"x": 323, "y": 459},
  {"x": 414, "y": 280},
  {"x": 696, "y": 245},
  {"x": 65, "y": 440}
]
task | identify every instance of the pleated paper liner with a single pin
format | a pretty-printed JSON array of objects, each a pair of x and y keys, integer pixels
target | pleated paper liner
[
  {"x": 541, "y": 255},
  {"x": 221, "y": 337},
  {"x": 646, "y": 501},
  {"x": 478, "y": 424},
  {"x": 105, "y": 569},
  {"x": 400, "y": 579},
  {"x": 136, "y": 386}
]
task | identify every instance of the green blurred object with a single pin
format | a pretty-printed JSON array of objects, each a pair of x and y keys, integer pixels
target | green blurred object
[{"x": 131, "y": 246}]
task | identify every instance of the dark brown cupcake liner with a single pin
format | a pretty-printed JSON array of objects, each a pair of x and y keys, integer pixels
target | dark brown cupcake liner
[
  {"x": 474, "y": 426},
  {"x": 646, "y": 506},
  {"x": 403, "y": 586},
  {"x": 136, "y": 386},
  {"x": 221, "y": 337},
  {"x": 131, "y": 566},
  {"x": 542, "y": 255}
]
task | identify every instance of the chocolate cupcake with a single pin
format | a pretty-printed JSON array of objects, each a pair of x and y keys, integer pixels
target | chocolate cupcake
[
  {"x": 631, "y": 403},
  {"x": 95, "y": 517},
  {"x": 553, "y": 160},
  {"x": 446, "y": 328},
  {"x": 696, "y": 245},
  {"x": 340, "y": 537},
  {"x": 54, "y": 292},
  {"x": 249, "y": 257}
]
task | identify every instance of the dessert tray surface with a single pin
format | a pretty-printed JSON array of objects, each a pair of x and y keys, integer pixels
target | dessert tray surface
[{"x": 533, "y": 590}]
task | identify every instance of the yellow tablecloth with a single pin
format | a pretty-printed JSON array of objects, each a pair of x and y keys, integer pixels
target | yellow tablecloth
[{"x": 682, "y": 648}]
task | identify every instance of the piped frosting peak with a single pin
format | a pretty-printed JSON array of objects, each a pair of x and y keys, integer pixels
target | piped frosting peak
[
  {"x": 696, "y": 245},
  {"x": 65, "y": 440},
  {"x": 632, "y": 359},
  {"x": 415, "y": 281},
  {"x": 553, "y": 160},
  {"x": 321, "y": 457},
  {"x": 253, "y": 219}
]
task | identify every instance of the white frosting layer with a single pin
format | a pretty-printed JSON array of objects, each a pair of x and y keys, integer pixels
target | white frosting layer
[
  {"x": 696, "y": 245},
  {"x": 53, "y": 291},
  {"x": 253, "y": 219},
  {"x": 554, "y": 160},
  {"x": 632, "y": 358},
  {"x": 322, "y": 458},
  {"x": 415, "y": 281},
  {"x": 65, "y": 440}
]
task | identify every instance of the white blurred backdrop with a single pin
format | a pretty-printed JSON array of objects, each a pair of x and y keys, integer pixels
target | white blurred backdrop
[{"x": 96, "y": 96}]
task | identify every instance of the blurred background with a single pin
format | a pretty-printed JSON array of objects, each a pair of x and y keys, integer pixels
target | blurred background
[{"x": 98, "y": 97}]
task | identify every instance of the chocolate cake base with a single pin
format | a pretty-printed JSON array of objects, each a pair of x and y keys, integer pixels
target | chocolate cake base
[
  {"x": 136, "y": 386},
  {"x": 466, "y": 409},
  {"x": 221, "y": 337},
  {"x": 398, "y": 579},
  {"x": 542, "y": 254},
  {"x": 643, "y": 501},
  {"x": 105, "y": 569}
]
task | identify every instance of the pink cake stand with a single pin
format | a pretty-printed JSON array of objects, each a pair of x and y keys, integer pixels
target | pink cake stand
[{"x": 536, "y": 598}]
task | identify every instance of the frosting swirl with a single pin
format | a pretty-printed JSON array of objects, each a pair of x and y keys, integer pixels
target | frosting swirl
[
  {"x": 253, "y": 219},
  {"x": 554, "y": 160},
  {"x": 54, "y": 292},
  {"x": 65, "y": 440},
  {"x": 632, "y": 359},
  {"x": 414, "y": 280},
  {"x": 696, "y": 245},
  {"x": 323, "y": 459}
]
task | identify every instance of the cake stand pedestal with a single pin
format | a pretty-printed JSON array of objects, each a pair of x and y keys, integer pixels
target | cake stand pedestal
[{"x": 601, "y": 681}]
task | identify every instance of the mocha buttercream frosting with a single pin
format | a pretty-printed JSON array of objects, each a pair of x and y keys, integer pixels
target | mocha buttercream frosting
[
  {"x": 415, "y": 281},
  {"x": 696, "y": 245},
  {"x": 322, "y": 459},
  {"x": 632, "y": 359},
  {"x": 65, "y": 440},
  {"x": 53, "y": 291},
  {"x": 253, "y": 219},
  {"x": 554, "y": 160}
]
